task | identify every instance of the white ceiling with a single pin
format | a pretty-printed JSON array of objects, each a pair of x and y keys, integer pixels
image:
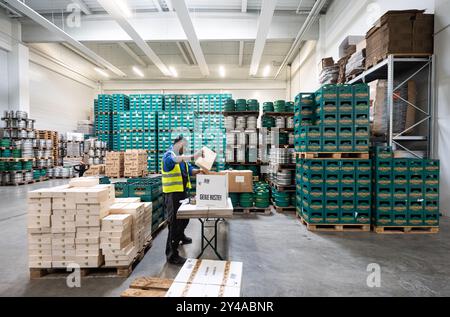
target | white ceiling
[{"x": 217, "y": 52}]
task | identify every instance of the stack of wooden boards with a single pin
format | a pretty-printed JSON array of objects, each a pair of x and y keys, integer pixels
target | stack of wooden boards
[
  {"x": 114, "y": 164},
  {"x": 135, "y": 163},
  {"x": 72, "y": 224}
]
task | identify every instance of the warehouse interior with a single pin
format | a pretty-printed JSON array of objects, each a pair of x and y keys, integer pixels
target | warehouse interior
[{"x": 101, "y": 82}]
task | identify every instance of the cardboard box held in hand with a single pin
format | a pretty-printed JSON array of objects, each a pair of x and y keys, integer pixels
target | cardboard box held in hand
[{"x": 206, "y": 162}]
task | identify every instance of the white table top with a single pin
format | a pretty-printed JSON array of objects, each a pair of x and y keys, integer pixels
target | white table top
[{"x": 187, "y": 211}]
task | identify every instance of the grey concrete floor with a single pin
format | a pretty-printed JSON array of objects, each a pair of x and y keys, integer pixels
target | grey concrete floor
[{"x": 281, "y": 258}]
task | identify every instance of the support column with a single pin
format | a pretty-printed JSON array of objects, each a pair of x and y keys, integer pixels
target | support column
[{"x": 18, "y": 71}]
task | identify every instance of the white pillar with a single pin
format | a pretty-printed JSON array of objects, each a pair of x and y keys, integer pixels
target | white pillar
[{"x": 18, "y": 72}]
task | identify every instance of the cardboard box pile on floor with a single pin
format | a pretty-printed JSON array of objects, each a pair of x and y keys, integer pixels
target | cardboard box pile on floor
[
  {"x": 207, "y": 278},
  {"x": 65, "y": 226}
]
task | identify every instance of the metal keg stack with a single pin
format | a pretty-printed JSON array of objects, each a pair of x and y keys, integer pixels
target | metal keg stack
[
  {"x": 18, "y": 158},
  {"x": 95, "y": 151}
]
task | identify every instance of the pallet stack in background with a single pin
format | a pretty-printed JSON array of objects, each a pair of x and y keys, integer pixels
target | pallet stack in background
[
  {"x": 114, "y": 164},
  {"x": 333, "y": 169},
  {"x": 406, "y": 193}
]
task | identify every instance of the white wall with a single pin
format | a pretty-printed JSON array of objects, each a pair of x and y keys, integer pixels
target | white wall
[
  {"x": 3, "y": 81},
  {"x": 442, "y": 52},
  {"x": 304, "y": 70},
  {"x": 58, "y": 102}
]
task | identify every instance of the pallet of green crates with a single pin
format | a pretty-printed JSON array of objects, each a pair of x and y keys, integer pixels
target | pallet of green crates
[
  {"x": 406, "y": 194},
  {"x": 334, "y": 195}
]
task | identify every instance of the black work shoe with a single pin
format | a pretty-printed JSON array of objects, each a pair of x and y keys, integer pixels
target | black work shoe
[
  {"x": 177, "y": 260},
  {"x": 186, "y": 240}
]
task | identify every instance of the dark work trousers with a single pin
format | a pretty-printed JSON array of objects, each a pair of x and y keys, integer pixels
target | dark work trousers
[{"x": 176, "y": 226}]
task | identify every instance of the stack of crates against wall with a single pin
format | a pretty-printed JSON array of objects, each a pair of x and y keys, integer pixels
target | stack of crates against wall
[
  {"x": 334, "y": 191},
  {"x": 102, "y": 112},
  {"x": 120, "y": 103},
  {"x": 114, "y": 164},
  {"x": 340, "y": 122},
  {"x": 406, "y": 191},
  {"x": 135, "y": 164}
]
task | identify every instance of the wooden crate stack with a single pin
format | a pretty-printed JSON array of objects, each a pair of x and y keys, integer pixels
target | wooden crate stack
[
  {"x": 51, "y": 135},
  {"x": 135, "y": 163},
  {"x": 114, "y": 164}
]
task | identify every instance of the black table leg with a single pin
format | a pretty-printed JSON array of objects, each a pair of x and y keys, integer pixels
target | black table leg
[{"x": 211, "y": 242}]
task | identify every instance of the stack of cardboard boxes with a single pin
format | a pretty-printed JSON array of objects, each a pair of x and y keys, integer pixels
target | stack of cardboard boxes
[
  {"x": 137, "y": 211},
  {"x": 116, "y": 240},
  {"x": 135, "y": 163},
  {"x": 114, "y": 164},
  {"x": 39, "y": 231},
  {"x": 148, "y": 218},
  {"x": 64, "y": 224}
]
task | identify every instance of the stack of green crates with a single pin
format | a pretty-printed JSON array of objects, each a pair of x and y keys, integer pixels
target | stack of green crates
[
  {"x": 338, "y": 121},
  {"x": 334, "y": 191},
  {"x": 406, "y": 191}
]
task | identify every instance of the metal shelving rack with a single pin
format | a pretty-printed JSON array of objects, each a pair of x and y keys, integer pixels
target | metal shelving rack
[{"x": 392, "y": 68}]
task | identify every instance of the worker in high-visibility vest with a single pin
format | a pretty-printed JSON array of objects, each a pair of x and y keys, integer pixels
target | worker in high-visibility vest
[{"x": 176, "y": 180}]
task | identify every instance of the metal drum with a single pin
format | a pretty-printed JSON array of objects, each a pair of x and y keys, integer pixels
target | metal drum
[
  {"x": 22, "y": 134},
  {"x": 280, "y": 122},
  {"x": 6, "y": 178},
  {"x": 22, "y": 124},
  {"x": 253, "y": 139},
  {"x": 28, "y": 176},
  {"x": 21, "y": 115},
  {"x": 284, "y": 177},
  {"x": 31, "y": 135},
  {"x": 290, "y": 123},
  {"x": 27, "y": 149},
  {"x": 48, "y": 144},
  {"x": 91, "y": 152},
  {"x": 98, "y": 152},
  {"x": 98, "y": 144},
  {"x": 30, "y": 124},
  {"x": 48, "y": 153},
  {"x": 16, "y": 177},
  {"x": 252, "y": 122},
  {"x": 96, "y": 161},
  {"x": 6, "y": 134},
  {"x": 240, "y": 123},
  {"x": 51, "y": 172},
  {"x": 231, "y": 139},
  {"x": 6, "y": 114},
  {"x": 230, "y": 123},
  {"x": 240, "y": 154},
  {"x": 91, "y": 161},
  {"x": 38, "y": 153}
]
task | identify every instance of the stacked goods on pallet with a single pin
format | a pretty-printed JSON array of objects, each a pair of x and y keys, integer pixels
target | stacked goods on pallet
[
  {"x": 333, "y": 172},
  {"x": 338, "y": 121},
  {"x": 114, "y": 164},
  {"x": 85, "y": 127},
  {"x": 334, "y": 191},
  {"x": 135, "y": 163},
  {"x": 406, "y": 33},
  {"x": 25, "y": 154},
  {"x": 76, "y": 211},
  {"x": 406, "y": 191},
  {"x": 116, "y": 241},
  {"x": 39, "y": 211},
  {"x": 147, "y": 190},
  {"x": 103, "y": 109},
  {"x": 94, "y": 151},
  {"x": 329, "y": 72}
]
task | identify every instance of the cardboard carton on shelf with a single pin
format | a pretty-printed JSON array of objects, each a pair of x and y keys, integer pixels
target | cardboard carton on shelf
[{"x": 240, "y": 181}]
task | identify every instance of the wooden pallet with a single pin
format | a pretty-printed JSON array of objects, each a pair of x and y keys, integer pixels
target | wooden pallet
[
  {"x": 22, "y": 183},
  {"x": 119, "y": 271},
  {"x": 252, "y": 211},
  {"x": 329, "y": 227},
  {"x": 333, "y": 155},
  {"x": 283, "y": 210},
  {"x": 16, "y": 159},
  {"x": 406, "y": 230},
  {"x": 148, "y": 287}
]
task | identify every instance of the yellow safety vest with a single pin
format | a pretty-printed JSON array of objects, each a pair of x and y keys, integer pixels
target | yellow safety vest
[{"x": 172, "y": 182}]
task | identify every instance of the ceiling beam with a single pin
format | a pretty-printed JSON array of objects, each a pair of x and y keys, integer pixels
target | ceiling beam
[
  {"x": 244, "y": 6},
  {"x": 157, "y": 5},
  {"x": 186, "y": 22},
  {"x": 115, "y": 12},
  {"x": 84, "y": 8},
  {"x": 241, "y": 53},
  {"x": 169, "y": 5},
  {"x": 311, "y": 19},
  {"x": 36, "y": 17},
  {"x": 183, "y": 53},
  {"x": 133, "y": 55},
  {"x": 264, "y": 21}
]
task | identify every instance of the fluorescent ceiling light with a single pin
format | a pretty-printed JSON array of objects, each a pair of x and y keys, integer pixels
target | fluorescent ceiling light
[
  {"x": 173, "y": 71},
  {"x": 138, "y": 71},
  {"x": 266, "y": 71},
  {"x": 222, "y": 72},
  {"x": 124, "y": 8},
  {"x": 101, "y": 72}
]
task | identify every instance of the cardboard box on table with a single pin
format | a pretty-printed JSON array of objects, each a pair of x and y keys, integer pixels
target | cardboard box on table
[{"x": 212, "y": 190}]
